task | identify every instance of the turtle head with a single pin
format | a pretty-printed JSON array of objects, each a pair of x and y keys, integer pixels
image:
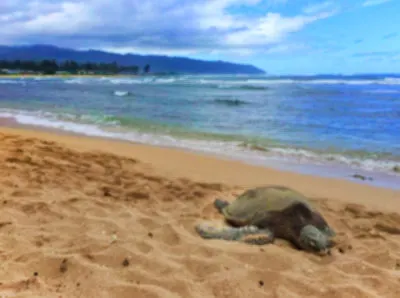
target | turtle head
[
  {"x": 315, "y": 240},
  {"x": 220, "y": 204}
]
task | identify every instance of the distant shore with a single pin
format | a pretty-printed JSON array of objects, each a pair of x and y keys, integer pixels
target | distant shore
[{"x": 22, "y": 76}]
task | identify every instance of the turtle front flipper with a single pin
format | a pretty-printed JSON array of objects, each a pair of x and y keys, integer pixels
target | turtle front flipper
[
  {"x": 246, "y": 234},
  {"x": 260, "y": 237}
]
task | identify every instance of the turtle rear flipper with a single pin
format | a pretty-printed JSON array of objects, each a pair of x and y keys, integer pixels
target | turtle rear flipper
[
  {"x": 220, "y": 204},
  {"x": 246, "y": 234}
]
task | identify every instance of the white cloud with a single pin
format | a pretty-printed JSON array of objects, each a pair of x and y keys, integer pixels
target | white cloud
[
  {"x": 319, "y": 7},
  {"x": 67, "y": 20},
  {"x": 152, "y": 26},
  {"x": 396, "y": 57},
  {"x": 270, "y": 29},
  {"x": 147, "y": 51},
  {"x": 286, "y": 48},
  {"x": 374, "y": 2}
]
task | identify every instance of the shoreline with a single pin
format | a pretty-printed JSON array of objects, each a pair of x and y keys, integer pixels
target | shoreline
[
  {"x": 209, "y": 168},
  {"x": 289, "y": 163}
]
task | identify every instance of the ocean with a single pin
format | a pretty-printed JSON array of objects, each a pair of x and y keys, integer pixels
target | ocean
[{"x": 332, "y": 126}]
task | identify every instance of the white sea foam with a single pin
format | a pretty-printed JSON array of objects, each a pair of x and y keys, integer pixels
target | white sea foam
[
  {"x": 188, "y": 80},
  {"x": 390, "y": 81},
  {"x": 76, "y": 81},
  {"x": 165, "y": 81},
  {"x": 289, "y": 81},
  {"x": 225, "y": 86},
  {"x": 38, "y": 78},
  {"x": 382, "y": 91},
  {"x": 49, "y": 120},
  {"x": 305, "y": 156},
  {"x": 386, "y": 81},
  {"x": 125, "y": 81},
  {"x": 268, "y": 82},
  {"x": 121, "y": 93},
  {"x": 13, "y": 81}
]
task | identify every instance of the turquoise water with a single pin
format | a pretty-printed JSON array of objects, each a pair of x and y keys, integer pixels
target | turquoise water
[{"x": 346, "y": 124}]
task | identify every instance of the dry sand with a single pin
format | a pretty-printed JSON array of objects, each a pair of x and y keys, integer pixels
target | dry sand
[{"x": 86, "y": 217}]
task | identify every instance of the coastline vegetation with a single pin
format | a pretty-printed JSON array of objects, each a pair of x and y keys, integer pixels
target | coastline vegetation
[{"x": 68, "y": 67}]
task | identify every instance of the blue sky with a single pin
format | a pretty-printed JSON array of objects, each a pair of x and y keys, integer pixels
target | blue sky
[{"x": 280, "y": 36}]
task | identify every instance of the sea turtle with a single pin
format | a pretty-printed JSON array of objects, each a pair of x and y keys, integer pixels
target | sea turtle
[{"x": 259, "y": 215}]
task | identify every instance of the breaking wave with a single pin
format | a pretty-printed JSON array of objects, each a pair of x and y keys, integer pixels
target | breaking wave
[
  {"x": 12, "y": 81},
  {"x": 250, "y": 84},
  {"x": 383, "y": 91},
  {"x": 122, "y": 93}
]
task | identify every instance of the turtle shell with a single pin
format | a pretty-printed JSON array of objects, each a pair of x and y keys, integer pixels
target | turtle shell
[{"x": 258, "y": 204}]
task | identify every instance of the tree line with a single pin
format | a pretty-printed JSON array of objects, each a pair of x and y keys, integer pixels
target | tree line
[{"x": 70, "y": 66}]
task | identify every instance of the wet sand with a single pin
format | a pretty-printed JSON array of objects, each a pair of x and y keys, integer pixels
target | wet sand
[{"x": 88, "y": 217}]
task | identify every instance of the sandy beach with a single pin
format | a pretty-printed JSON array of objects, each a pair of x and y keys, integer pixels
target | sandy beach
[{"x": 89, "y": 217}]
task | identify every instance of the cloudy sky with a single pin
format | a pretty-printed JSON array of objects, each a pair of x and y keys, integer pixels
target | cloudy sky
[{"x": 280, "y": 36}]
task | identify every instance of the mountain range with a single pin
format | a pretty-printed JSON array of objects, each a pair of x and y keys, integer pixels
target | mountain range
[{"x": 158, "y": 63}]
